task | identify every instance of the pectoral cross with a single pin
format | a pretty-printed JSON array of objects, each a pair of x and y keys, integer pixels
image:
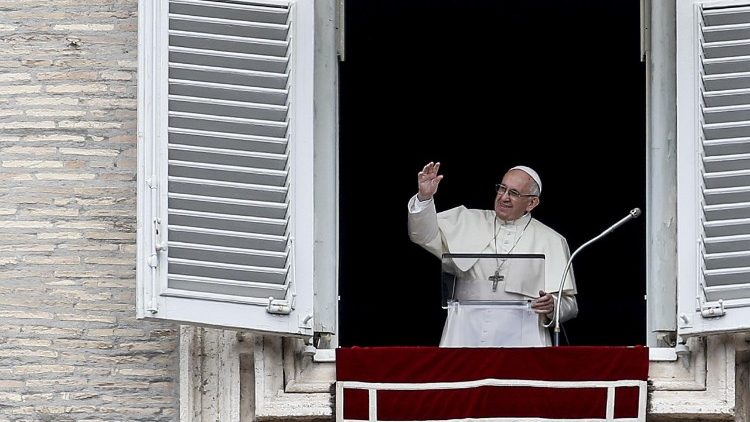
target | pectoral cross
[{"x": 496, "y": 278}]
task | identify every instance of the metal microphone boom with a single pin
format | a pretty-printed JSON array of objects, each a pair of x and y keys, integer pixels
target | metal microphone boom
[{"x": 634, "y": 213}]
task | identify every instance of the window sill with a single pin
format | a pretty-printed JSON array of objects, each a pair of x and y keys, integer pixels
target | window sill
[{"x": 662, "y": 354}]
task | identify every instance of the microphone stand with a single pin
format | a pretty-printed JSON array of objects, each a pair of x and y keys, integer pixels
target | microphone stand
[{"x": 634, "y": 213}]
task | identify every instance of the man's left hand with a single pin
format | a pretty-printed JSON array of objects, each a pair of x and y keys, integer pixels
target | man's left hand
[{"x": 544, "y": 304}]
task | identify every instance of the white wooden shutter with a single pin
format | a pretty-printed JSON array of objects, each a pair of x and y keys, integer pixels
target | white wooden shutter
[
  {"x": 713, "y": 71},
  {"x": 225, "y": 163}
]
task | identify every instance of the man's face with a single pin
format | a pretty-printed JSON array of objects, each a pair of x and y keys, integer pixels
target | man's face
[{"x": 509, "y": 207}]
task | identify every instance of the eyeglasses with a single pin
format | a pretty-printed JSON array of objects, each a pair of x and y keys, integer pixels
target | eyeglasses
[{"x": 514, "y": 194}]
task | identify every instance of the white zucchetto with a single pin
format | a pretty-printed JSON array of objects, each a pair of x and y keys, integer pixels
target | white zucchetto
[{"x": 534, "y": 175}]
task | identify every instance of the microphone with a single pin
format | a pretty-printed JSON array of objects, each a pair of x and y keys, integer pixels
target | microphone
[{"x": 634, "y": 213}]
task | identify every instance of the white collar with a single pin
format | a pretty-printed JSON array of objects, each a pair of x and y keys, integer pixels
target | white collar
[{"x": 519, "y": 222}]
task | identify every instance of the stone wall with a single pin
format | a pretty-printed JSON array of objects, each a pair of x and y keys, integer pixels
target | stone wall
[{"x": 70, "y": 346}]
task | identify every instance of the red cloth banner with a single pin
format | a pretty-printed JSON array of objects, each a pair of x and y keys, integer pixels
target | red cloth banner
[{"x": 464, "y": 383}]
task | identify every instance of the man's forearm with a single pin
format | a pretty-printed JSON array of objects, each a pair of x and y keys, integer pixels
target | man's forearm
[{"x": 568, "y": 307}]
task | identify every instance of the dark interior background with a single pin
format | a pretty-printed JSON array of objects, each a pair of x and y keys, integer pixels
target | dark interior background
[{"x": 482, "y": 86}]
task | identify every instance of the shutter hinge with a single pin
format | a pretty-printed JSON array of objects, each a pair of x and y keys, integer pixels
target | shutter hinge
[
  {"x": 159, "y": 246},
  {"x": 153, "y": 259},
  {"x": 278, "y": 306},
  {"x": 713, "y": 309},
  {"x": 305, "y": 322}
]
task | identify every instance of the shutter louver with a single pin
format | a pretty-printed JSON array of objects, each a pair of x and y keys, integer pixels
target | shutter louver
[
  {"x": 226, "y": 165},
  {"x": 228, "y": 198},
  {"x": 725, "y": 110},
  {"x": 713, "y": 166}
]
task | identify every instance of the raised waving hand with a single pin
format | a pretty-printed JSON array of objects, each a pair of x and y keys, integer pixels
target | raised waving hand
[{"x": 428, "y": 180}]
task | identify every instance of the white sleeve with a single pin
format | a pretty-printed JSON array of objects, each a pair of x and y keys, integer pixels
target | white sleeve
[
  {"x": 415, "y": 205},
  {"x": 568, "y": 307},
  {"x": 423, "y": 226}
]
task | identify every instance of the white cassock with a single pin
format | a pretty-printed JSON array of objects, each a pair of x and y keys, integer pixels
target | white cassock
[{"x": 471, "y": 231}]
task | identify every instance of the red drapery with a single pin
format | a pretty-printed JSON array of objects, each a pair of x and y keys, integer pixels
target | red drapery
[{"x": 549, "y": 364}]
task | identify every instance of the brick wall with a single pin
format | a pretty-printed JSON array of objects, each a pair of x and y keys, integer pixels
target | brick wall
[{"x": 70, "y": 346}]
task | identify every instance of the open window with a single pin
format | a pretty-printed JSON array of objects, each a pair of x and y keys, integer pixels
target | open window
[
  {"x": 713, "y": 159},
  {"x": 226, "y": 205}
]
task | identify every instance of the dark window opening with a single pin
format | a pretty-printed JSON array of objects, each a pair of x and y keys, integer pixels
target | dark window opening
[{"x": 482, "y": 86}]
